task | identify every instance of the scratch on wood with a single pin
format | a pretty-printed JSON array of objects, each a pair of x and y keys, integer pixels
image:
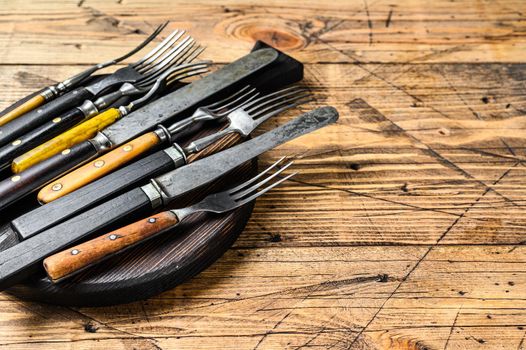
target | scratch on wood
[
  {"x": 369, "y": 22},
  {"x": 452, "y": 328},
  {"x": 388, "y": 20}
]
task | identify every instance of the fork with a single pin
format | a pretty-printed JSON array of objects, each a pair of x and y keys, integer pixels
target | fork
[
  {"x": 71, "y": 261},
  {"x": 53, "y": 91},
  {"x": 155, "y": 62},
  {"x": 43, "y": 142},
  {"x": 243, "y": 115}
]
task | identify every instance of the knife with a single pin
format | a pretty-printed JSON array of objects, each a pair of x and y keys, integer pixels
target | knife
[
  {"x": 20, "y": 261},
  {"x": 264, "y": 66}
]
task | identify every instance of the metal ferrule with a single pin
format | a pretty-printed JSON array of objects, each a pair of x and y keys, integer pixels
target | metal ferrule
[
  {"x": 176, "y": 153},
  {"x": 101, "y": 142},
  {"x": 49, "y": 92},
  {"x": 153, "y": 194},
  {"x": 124, "y": 110},
  {"x": 163, "y": 134},
  {"x": 89, "y": 109}
]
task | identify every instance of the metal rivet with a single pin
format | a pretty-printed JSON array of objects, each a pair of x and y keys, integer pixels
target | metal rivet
[
  {"x": 75, "y": 252},
  {"x": 98, "y": 164},
  {"x": 16, "y": 143},
  {"x": 127, "y": 148},
  {"x": 152, "y": 220},
  {"x": 57, "y": 187},
  {"x": 15, "y": 178},
  {"x": 66, "y": 151},
  {"x": 113, "y": 237},
  {"x": 56, "y": 120},
  {"x": 39, "y": 111},
  {"x": 75, "y": 92}
]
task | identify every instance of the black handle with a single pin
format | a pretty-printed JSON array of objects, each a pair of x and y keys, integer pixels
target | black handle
[
  {"x": 39, "y": 135},
  {"x": 21, "y": 125},
  {"x": 31, "y": 179},
  {"x": 19, "y": 261},
  {"x": 94, "y": 193}
]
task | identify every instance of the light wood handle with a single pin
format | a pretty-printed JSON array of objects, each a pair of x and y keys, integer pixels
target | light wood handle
[
  {"x": 64, "y": 141},
  {"x": 97, "y": 168},
  {"x": 68, "y": 262},
  {"x": 25, "y": 107}
]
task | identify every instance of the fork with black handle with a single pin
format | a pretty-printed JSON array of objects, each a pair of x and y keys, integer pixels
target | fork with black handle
[
  {"x": 51, "y": 92},
  {"x": 67, "y": 263},
  {"x": 154, "y": 61}
]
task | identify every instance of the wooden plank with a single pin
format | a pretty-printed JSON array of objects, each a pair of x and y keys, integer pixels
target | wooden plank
[{"x": 405, "y": 226}]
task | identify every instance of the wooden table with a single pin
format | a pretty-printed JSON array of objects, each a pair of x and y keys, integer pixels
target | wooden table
[{"x": 406, "y": 226}]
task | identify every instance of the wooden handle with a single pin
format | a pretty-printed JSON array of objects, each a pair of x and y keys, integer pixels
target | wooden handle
[
  {"x": 68, "y": 262},
  {"x": 97, "y": 168},
  {"x": 25, "y": 107},
  {"x": 79, "y": 133}
]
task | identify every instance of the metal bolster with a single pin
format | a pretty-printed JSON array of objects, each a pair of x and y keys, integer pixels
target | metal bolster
[
  {"x": 101, "y": 142},
  {"x": 163, "y": 134},
  {"x": 88, "y": 108},
  {"x": 153, "y": 194},
  {"x": 49, "y": 92},
  {"x": 176, "y": 153}
]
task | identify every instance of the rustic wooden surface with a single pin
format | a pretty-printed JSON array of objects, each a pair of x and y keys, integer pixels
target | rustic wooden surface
[{"x": 406, "y": 227}]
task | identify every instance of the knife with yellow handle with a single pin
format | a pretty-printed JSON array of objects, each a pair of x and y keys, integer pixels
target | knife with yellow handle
[
  {"x": 243, "y": 117},
  {"x": 51, "y": 92}
]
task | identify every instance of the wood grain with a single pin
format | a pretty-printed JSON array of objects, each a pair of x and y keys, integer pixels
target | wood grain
[{"x": 405, "y": 226}]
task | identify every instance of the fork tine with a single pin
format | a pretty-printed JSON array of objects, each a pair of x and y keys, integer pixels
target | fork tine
[
  {"x": 264, "y": 97},
  {"x": 168, "y": 62},
  {"x": 237, "y": 103},
  {"x": 263, "y": 118},
  {"x": 265, "y": 190},
  {"x": 275, "y": 97},
  {"x": 257, "y": 114},
  {"x": 248, "y": 191},
  {"x": 166, "y": 55},
  {"x": 196, "y": 71},
  {"x": 218, "y": 103},
  {"x": 255, "y": 178},
  {"x": 167, "y": 42}
]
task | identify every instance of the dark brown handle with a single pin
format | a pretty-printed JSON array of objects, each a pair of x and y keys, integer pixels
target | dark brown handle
[{"x": 73, "y": 260}]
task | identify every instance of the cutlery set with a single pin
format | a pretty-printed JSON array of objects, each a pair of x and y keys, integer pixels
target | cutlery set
[{"x": 119, "y": 152}]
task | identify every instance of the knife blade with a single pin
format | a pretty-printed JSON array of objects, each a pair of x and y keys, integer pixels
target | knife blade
[{"x": 23, "y": 259}]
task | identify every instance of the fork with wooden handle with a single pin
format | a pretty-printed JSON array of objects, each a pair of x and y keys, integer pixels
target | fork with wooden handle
[
  {"x": 242, "y": 118},
  {"x": 51, "y": 92},
  {"x": 71, "y": 261}
]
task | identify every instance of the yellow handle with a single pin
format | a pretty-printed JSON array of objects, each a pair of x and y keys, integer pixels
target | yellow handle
[
  {"x": 98, "y": 168},
  {"x": 64, "y": 141},
  {"x": 25, "y": 107}
]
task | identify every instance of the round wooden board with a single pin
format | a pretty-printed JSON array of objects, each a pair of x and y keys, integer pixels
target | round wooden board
[{"x": 151, "y": 267}]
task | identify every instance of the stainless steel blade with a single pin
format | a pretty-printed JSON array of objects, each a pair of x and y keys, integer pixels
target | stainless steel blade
[
  {"x": 194, "y": 175},
  {"x": 161, "y": 110}
]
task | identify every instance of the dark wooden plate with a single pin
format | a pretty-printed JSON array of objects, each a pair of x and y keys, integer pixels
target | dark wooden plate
[{"x": 153, "y": 266}]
